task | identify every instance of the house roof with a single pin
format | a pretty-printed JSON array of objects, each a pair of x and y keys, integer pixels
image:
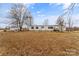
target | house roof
[{"x": 44, "y": 25}]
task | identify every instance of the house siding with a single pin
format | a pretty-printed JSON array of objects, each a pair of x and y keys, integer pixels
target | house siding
[
  {"x": 43, "y": 28},
  {"x": 46, "y": 28}
]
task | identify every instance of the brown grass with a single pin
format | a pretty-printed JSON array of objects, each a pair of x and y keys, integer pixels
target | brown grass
[{"x": 39, "y": 43}]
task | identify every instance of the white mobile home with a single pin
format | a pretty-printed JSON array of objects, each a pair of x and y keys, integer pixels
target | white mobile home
[
  {"x": 40, "y": 28},
  {"x": 46, "y": 28},
  {"x": 14, "y": 28}
]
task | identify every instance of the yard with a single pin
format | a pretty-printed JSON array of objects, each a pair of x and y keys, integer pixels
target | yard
[{"x": 39, "y": 43}]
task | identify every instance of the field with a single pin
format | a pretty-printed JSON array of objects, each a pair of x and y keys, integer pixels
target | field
[{"x": 39, "y": 43}]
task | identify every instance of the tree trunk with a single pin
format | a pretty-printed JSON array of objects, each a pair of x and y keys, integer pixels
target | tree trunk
[{"x": 20, "y": 28}]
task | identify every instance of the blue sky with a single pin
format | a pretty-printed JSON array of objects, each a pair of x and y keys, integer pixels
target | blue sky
[{"x": 40, "y": 12}]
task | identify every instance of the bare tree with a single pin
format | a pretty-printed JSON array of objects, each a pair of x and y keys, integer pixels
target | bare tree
[
  {"x": 60, "y": 23},
  {"x": 70, "y": 24},
  {"x": 19, "y": 14},
  {"x": 29, "y": 19},
  {"x": 69, "y": 16}
]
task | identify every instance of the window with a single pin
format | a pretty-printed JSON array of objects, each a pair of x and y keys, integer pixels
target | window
[
  {"x": 50, "y": 27},
  {"x": 36, "y": 27},
  {"x": 32, "y": 27}
]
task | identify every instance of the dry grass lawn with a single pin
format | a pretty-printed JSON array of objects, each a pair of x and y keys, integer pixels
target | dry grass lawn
[{"x": 39, "y": 43}]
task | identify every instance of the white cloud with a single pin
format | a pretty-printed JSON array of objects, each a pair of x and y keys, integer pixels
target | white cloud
[
  {"x": 41, "y": 15},
  {"x": 4, "y": 20},
  {"x": 74, "y": 19},
  {"x": 7, "y": 10},
  {"x": 58, "y": 4},
  {"x": 66, "y": 5},
  {"x": 51, "y": 19},
  {"x": 38, "y": 12},
  {"x": 30, "y": 5},
  {"x": 51, "y": 4},
  {"x": 40, "y": 19}
]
